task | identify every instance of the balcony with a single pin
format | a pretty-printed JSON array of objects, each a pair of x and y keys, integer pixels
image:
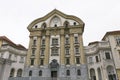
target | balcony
[
  {"x": 41, "y": 78},
  {"x": 12, "y": 49},
  {"x": 95, "y": 47}
]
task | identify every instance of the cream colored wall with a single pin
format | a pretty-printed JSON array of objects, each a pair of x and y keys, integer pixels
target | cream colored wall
[
  {"x": 55, "y": 57},
  {"x": 62, "y": 20},
  {"x": 115, "y": 53}
]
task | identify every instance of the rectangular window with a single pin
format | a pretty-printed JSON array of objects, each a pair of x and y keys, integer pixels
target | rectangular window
[
  {"x": 76, "y": 39},
  {"x": 42, "y": 52},
  {"x": 43, "y": 41},
  {"x": 77, "y": 60},
  {"x": 34, "y": 42},
  {"x": 67, "y": 61},
  {"x": 90, "y": 60},
  {"x": 68, "y": 72},
  {"x": 21, "y": 59},
  {"x": 77, "y": 50},
  {"x": 54, "y": 52},
  {"x": 41, "y": 62},
  {"x": 118, "y": 40},
  {"x": 33, "y": 52},
  {"x": 97, "y": 60},
  {"x": 32, "y": 61},
  {"x": 54, "y": 41},
  {"x": 107, "y": 54},
  {"x": 66, "y": 40},
  {"x": 67, "y": 51}
]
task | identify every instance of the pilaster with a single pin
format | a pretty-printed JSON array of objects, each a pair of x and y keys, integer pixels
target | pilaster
[
  {"x": 29, "y": 51},
  {"x": 47, "y": 48},
  {"x": 72, "y": 55},
  {"x": 37, "y": 55},
  {"x": 62, "y": 48},
  {"x": 82, "y": 54}
]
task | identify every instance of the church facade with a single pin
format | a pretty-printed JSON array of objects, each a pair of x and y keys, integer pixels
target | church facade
[
  {"x": 56, "y": 48},
  {"x": 56, "y": 51}
]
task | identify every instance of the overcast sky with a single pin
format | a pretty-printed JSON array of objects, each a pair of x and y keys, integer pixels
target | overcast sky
[{"x": 99, "y": 16}]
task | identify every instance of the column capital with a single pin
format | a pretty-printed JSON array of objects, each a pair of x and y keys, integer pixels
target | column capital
[
  {"x": 62, "y": 34},
  {"x": 47, "y": 32},
  {"x": 71, "y": 34},
  {"x": 30, "y": 36}
]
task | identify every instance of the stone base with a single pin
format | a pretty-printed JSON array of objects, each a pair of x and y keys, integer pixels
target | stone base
[{"x": 61, "y": 72}]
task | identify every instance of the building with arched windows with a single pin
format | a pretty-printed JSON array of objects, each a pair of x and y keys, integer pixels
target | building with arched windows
[
  {"x": 12, "y": 59},
  {"x": 56, "y": 48},
  {"x": 56, "y": 52},
  {"x": 100, "y": 61}
]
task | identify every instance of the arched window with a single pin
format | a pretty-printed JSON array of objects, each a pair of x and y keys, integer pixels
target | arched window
[
  {"x": 36, "y": 26},
  {"x": 44, "y": 25},
  {"x": 12, "y": 72},
  {"x": 55, "y": 25},
  {"x": 30, "y": 73},
  {"x": 92, "y": 74},
  {"x": 111, "y": 73},
  {"x": 19, "y": 73},
  {"x": 74, "y": 23},
  {"x": 78, "y": 72},
  {"x": 66, "y": 23},
  {"x": 40, "y": 73},
  {"x": 68, "y": 72}
]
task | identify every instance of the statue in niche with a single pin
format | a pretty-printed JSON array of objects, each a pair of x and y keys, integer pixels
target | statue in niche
[{"x": 54, "y": 64}]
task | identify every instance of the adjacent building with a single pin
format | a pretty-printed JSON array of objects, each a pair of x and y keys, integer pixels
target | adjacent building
[
  {"x": 12, "y": 58},
  {"x": 56, "y": 52},
  {"x": 113, "y": 37},
  {"x": 100, "y": 61}
]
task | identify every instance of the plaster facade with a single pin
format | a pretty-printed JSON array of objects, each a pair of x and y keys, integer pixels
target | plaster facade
[
  {"x": 100, "y": 61},
  {"x": 12, "y": 58},
  {"x": 113, "y": 37},
  {"x": 56, "y": 37}
]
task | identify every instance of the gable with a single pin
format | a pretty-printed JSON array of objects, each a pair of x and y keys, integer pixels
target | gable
[{"x": 55, "y": 18}]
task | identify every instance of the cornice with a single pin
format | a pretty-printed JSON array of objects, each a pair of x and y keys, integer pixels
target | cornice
[{"x": 52, "y": 13}]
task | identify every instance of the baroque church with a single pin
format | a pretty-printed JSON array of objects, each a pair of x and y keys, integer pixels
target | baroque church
[
  {"x": 56, "y": 47},
  {"x": 56, "y": 52}
]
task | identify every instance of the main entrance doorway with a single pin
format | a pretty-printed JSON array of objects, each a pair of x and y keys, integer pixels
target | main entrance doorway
[{"x": 54, "y": 74}]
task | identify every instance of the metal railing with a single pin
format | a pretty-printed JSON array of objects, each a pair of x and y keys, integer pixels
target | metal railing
[{"x": 38, "y": 78}]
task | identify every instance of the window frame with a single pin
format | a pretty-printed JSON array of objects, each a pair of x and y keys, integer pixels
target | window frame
[
  {"x": 67, "y": 72},
  {"x": 107, "y": 55},
  {"x": 77, "y": 60},
  {"x": 54, "y": 41}
]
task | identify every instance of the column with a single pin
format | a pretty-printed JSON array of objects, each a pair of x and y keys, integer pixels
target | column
[
  {"x": 96, "y": 73},
  {"x": 82, "y": 54},
  {"x": 47, "y": 48},
  {"x": 37, "y": 54},
  {"x": 62, "y": 49},
  {"x": 29, "y": 51},
  {"x": 72, "y": 54}
]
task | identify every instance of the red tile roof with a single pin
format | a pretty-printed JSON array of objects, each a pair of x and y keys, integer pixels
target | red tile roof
[{"x": 18, "y": 46}]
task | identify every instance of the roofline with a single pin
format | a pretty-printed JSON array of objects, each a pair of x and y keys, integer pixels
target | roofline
[
  {"x": 18, "y": 46},
  {"x": 111, "y": 33},
  {"x": 53, "y": 12}
]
